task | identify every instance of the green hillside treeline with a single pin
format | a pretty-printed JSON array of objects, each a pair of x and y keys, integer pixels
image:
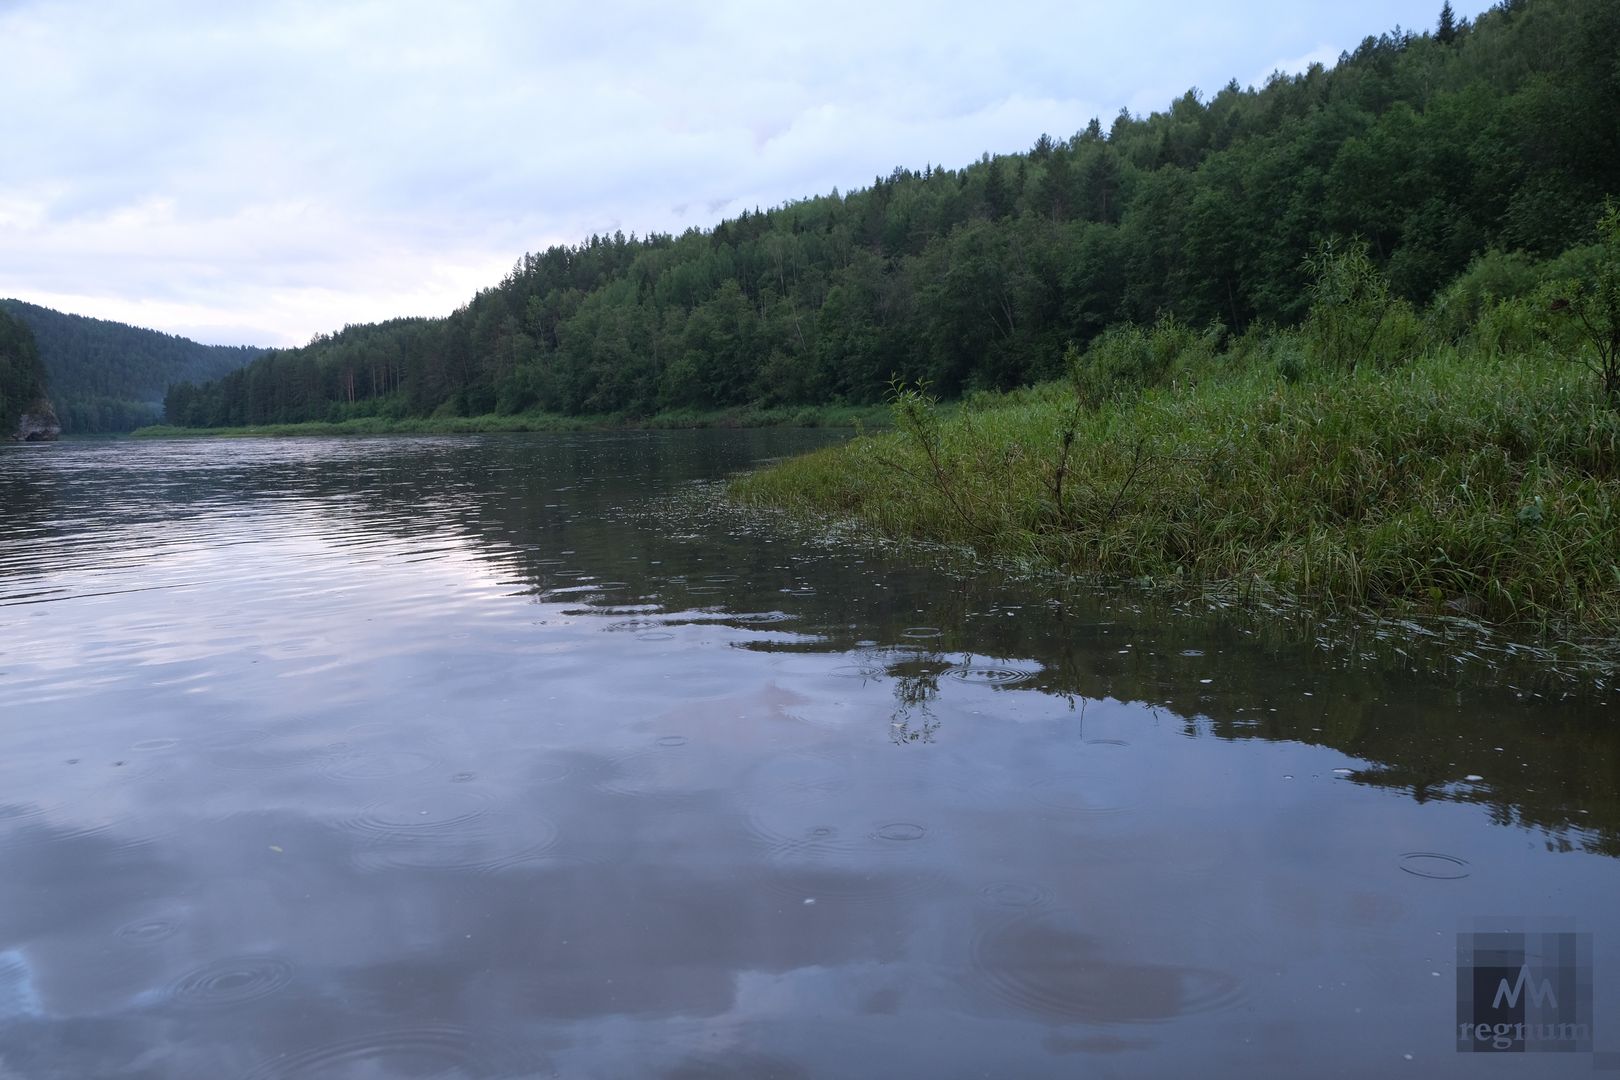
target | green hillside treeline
[{"x": 1488, "y": 146}]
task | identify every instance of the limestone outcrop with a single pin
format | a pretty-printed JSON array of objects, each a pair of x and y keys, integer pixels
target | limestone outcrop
[{"x": 38, "y": 423}]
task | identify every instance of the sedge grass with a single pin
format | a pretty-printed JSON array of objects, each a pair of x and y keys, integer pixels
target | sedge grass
[{"x": 1456, "y": 482}]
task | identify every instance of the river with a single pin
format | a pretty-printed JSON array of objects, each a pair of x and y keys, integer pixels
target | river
[{"x": 526, "y": 756}]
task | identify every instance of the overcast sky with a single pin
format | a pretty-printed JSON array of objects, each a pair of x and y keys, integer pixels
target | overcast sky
[{"x": 255, "y": 173}]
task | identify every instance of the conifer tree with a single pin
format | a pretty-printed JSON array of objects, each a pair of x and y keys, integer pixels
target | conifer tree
[{"x": 1447, "y": 32}]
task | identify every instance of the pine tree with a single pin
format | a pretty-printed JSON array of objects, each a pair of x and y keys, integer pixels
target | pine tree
[
  {"x": 997, "y": 199},
  {"x": 1447, "y": 33}
]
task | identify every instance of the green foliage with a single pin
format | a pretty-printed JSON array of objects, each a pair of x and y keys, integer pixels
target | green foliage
[
  {"x": 1491, "y": 277},
  {"x": 1509, "y": 327},
  {"x": 1446, "y": 33},
  {"x": 1492, "y": 136},
  {"x": 1353, "y": 318},
  {"x": 1498, "y": 276},
  {"x": 1457, "y": 482},
  {"x": 1592, "y": 305},
  {"x": 22, "y": 376},
  {"x": 1127, "y": 359}
]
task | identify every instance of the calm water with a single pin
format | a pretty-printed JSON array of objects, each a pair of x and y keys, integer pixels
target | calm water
[{"x": 516, "y": 756}]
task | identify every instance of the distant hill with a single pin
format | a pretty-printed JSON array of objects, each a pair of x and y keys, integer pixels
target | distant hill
[{"x": 105, "y": 376}]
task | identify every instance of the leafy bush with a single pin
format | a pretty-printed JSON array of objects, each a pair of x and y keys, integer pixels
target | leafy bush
[
  {"x": 1491, "y": 278},
  {"x": 1128, "y": 359},
  {"x": 1592, "y": 306},
  {"x": 1354, "y": 318},
  {"x": 1508, "y": 327}
]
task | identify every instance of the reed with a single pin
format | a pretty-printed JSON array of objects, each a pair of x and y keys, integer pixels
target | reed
[{"x": 1461, "y": 479}]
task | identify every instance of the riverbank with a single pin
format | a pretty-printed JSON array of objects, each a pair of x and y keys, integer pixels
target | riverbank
[
  {"x": 1462, "y": 481},
  {"x": 797, "y": 416}
]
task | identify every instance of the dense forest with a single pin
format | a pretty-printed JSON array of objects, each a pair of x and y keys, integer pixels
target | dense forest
[
  {"x": 1464, "y": 158},
  {"x": 105, "y": 376},
  {"x": 22, "y": 376}
]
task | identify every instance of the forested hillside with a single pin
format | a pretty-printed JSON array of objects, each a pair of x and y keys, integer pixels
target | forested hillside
[
  {"x": 22, "y": 378},
  {"x": 1488, "y": 146},
  {"x": 105, "y": 376}
]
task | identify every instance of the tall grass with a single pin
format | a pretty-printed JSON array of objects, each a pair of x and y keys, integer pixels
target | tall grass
[{"x": 1460, "y": 477}]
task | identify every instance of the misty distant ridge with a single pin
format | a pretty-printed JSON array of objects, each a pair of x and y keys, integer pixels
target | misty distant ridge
[{"x": 105, "y": 376}]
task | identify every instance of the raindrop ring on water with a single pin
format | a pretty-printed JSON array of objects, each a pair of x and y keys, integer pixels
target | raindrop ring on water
[
  {"x": 231, "y": 982},
  {"x": 1435, "y": 865}
]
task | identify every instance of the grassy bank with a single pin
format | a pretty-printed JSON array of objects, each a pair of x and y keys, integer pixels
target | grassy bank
[
  {"x": 799, "y": 416},
  {"x": 1463, "y": 460},
  {"x": 1456, "y": 481}
]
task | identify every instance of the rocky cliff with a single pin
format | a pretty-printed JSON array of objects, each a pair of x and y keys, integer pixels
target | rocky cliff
[{"x": 38, "y": 423}]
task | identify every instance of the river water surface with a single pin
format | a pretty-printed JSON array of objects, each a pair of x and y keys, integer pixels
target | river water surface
[{"x": 521, "y": 756}]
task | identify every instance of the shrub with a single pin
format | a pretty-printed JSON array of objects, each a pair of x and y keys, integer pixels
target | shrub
[
  {"x": 1592, "y": 305},
  {"x": 1353, "y": 318},
  {"x": 1128, "y": 359},
  {"x": 1491, "y": 278}
]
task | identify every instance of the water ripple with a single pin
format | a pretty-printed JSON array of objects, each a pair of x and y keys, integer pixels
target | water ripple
[
  {"x": 993, "y": 674},
  {"x": 1435, "y": 865},
  {"x": 235, "y": 981},
  {"x": 1045, "y": 963},
  {"x": 428, "y": 1050}
]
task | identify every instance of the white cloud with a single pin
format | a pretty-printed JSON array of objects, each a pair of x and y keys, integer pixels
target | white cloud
[
  {"x": 1326, "y": 55},
  {"x": 283, "y": 168}
]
